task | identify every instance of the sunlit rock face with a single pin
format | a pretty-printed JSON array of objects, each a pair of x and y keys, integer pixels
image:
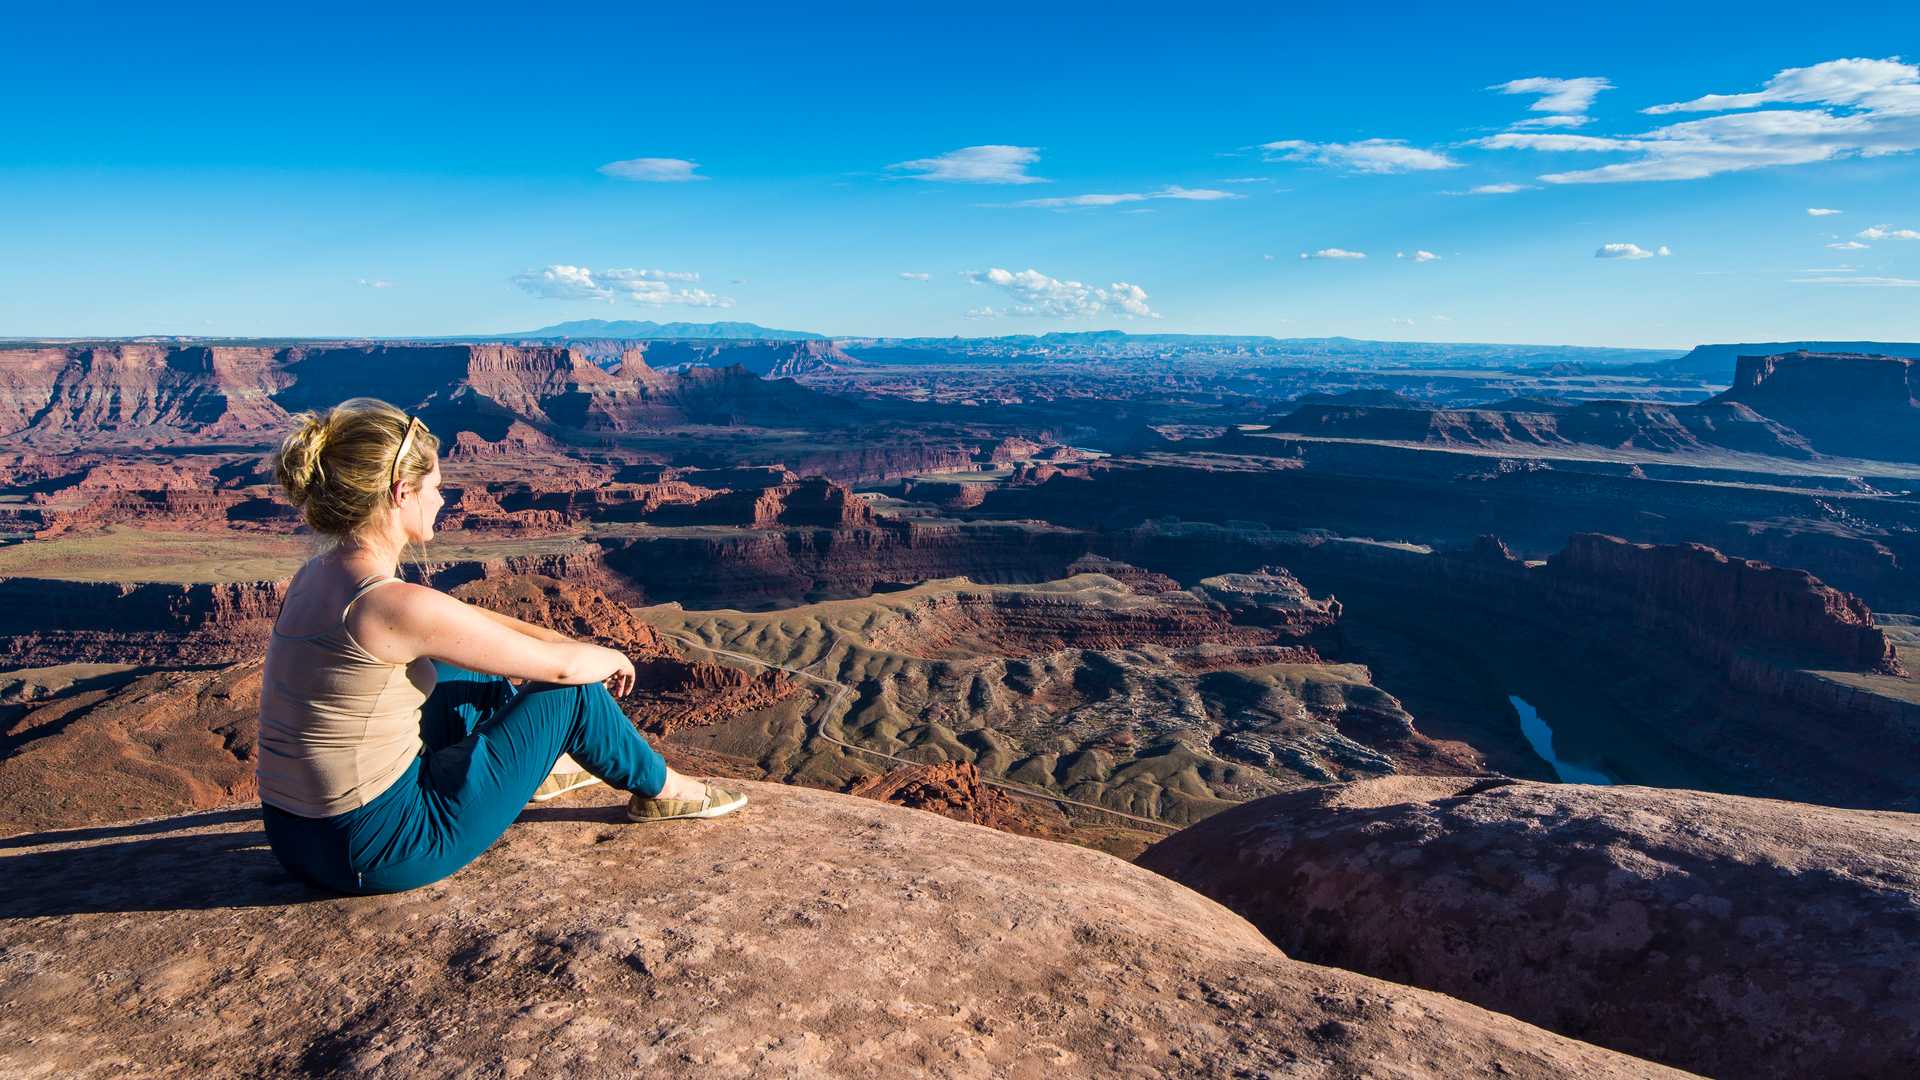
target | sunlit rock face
[{"x": 1725, "y": 935}]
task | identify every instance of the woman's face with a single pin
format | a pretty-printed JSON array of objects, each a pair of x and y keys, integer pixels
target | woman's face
[{"x": 427, "y": 504}]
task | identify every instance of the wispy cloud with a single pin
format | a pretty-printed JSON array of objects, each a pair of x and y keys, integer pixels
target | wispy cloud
[
  {"x": 1333, "y": 253},
  {"x": 374, "y": 283},
  {"x": 1533, "y": 123},
  {"x": 1887, "y": 232},
  {"x": 1418, "y": 256},
  {"x": 912, "y": 276},
  {"x": 1820, "y": 211},
  {"x": 1365, "y": 156},
  {"x": 654, "y": 287},
  {"x": 659, "y": 170},
  {"x": 990, "y": 164},
  {"x": 1035, "y": 294},
  {"x": 1174, "y": 191},
  {"x": 1629, "y": 251},
  {"x": 1492, "y": 189},
  {"x": 1849, "y": 245},
  {"x": 1871, "y": 109},
  {"x": 1247, "y": 180},
  {"x": 1866, "y": 282},
  {"x": 1557, "y": 95}
]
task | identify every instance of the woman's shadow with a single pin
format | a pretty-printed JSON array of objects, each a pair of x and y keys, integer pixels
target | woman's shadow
[{"x": 163, "y": 865}]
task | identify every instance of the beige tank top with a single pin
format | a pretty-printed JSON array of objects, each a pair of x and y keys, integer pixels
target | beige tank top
[{"x": 338, "y": 725}]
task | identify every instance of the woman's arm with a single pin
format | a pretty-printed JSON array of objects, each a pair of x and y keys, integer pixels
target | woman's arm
[{"x": 403, "y": 621}]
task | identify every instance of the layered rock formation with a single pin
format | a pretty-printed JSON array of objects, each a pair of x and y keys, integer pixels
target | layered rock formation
[
  {"x": 809, "y": 934},
  {"x": 1719, "y": 606},
  {"x": 158, "y": 395},
  {"x": 1730, "y": 936},
  {"x": 1722, "y": 425},
  {"x": 151, "y": 623},
  {"x": 1846, "y": 404}
]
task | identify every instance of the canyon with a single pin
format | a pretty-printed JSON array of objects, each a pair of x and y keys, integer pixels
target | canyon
[{"x": 1216, "y": 601}]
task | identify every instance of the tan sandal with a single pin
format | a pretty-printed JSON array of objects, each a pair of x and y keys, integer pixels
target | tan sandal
[
  {"x": 718, "y": 801},
  {"x": 567, "y": 775}
]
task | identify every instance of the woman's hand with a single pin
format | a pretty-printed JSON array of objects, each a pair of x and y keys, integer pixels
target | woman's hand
[{"x": 620, "y": 683}]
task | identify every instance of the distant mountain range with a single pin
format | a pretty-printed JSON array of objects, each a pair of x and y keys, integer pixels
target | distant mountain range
[{"x": 630, "y": 328}]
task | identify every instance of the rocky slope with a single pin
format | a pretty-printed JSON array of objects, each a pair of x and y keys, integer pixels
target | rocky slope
[
  {"x": 810, "y": 934},
  {"x": 1730, "y": 936},
  {"x": 132, "y": 745},
  {"x": 1150, "y": 702}
]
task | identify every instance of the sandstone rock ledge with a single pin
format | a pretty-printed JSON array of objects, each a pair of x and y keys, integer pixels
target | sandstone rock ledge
[
  {"x": 811, "y": 934},
  {"x": 1729, "y": 935}
]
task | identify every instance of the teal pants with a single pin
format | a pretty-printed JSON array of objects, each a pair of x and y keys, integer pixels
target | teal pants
[{"x": 488, "y": 747}]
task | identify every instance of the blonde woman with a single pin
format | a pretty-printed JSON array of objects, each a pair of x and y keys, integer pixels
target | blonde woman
[{"x": 394, "y": 748}]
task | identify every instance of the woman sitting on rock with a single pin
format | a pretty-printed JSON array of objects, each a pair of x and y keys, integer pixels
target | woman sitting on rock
[{"x": 394, "y": 748}]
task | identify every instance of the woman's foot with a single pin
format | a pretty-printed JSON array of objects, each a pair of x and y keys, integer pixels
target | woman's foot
[
  {"x": 710, "y": 802},
  {"x": 567, "y": 775}
]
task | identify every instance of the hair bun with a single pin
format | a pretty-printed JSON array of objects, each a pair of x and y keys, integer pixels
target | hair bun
[{"x": 297, "y": 465}]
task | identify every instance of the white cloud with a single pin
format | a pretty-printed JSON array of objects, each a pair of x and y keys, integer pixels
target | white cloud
[
  {"x": 374, "y": 283},
  {"x": 663, "y": 170},
  {"x": 1536, "y": 122},
  {"x": 1557, "y": 95},
  {"x": 1247, "y": 180},
  {"x": 1365, "y": 156},
  {"x": 1334, "y": 253},
  {"x": 1869, "y": 84},
  {"x": 1172, "y": 191},
  {"x": 1868, "y": 282},
  {"x": 911, "y": 276},
  {"x": 1881, "y": 99},
  {"x": 1036, "y": 294},
  {"x": 1402, "y": 320},
  {"x": 1418, "y": 256},
  {"x": 1888, "y": 232},
  {"x": 655, "y": 287},
  {"x": 1820, "y": 211},
  {"x": 976, "y": 165},
  {"x": 1492, "y": 189},
  {"x": 1849, "y": 245},
  {"x": 1629, "y": 251}
]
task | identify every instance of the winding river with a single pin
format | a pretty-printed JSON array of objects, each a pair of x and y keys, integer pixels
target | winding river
[{"x": 1540, "y": 737}]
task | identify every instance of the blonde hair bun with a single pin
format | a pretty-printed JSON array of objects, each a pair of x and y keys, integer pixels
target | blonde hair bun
[{"x": 335, "y": 464}]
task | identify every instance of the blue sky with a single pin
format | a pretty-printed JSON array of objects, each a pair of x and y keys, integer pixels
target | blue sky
[{"x": 242, "y": 172}]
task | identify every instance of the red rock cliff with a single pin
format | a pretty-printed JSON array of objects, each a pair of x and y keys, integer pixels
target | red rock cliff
[{"x": 1722, "y": 604}]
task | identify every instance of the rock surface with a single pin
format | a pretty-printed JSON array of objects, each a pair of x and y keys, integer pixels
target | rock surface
[
  {"x": 953, "y": 789},
  {"x": 810, "y": 934},
  {"x": 1727, "y": 935}
]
